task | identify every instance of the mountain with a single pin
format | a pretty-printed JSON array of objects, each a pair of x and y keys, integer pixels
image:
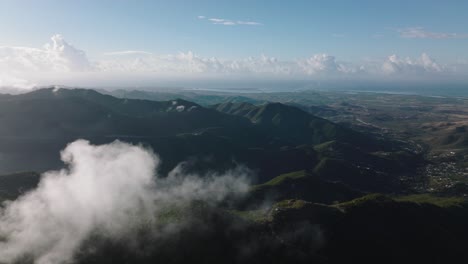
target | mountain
[
  {"x": 340, "y": 154},
  {"x": 400, "y": 231},
  {"x": 300, "y": 185},
  {"x": 309, "y": 202},
  {"x": 37, "y": 125},
  {"x": 364, "y": 230},
  {"x": 271, "y": 139},
  {"x": 204, "y": 98},
  {"x": 107, "y": 114},
  {"x": 298, "y": 126}
]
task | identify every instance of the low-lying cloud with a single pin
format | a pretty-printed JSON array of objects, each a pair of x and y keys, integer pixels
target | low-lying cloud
[
  {"x": 421, "y": 65},
  {"x": 56, "y": 56},
  {"x": 105, "y": 189},
  {"x": 59, "y": 62}
]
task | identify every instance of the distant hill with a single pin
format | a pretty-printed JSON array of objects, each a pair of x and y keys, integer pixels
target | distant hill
[
  {"x": 448, "y": 135},
  {"x": 204, "y": 98},
  {"x": 298, "y": 126},
  {"x": 301, "y": 185},
  {"x": 271, "y": 138}
]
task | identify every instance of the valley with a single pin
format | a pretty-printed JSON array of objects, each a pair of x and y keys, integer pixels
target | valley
[{"x": 322, "y": 167}]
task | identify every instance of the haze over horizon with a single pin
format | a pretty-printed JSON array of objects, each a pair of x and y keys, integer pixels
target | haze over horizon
[{"x": 171, "y": 43}]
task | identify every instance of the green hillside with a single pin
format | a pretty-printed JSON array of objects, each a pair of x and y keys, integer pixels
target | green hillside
[
  {"x": 301, "y": 185},
  {"x": 270, "y": 139}
]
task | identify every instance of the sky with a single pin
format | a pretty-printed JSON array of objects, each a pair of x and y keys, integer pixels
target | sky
[{"x": 125, "y": 42}]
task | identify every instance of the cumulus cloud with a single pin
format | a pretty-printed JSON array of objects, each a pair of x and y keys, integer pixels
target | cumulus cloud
[
  {"x": 189, "y": 62},
  {"x": 146, "y": 62},
  {"x": 64, "y": 56},
  {"x": 105, "y": 189},
  {"x": 420, "y": 32},
  {"x": 322, "y": 64},
  {"x": 24, "y": 67},
  {"x": 56, "y": 56},
  {"x": 61, "y": 63},
  {"x": 423, "y": 64}
]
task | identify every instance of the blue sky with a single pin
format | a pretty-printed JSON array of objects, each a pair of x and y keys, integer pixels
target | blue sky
[{"x": 350, "y": 31}]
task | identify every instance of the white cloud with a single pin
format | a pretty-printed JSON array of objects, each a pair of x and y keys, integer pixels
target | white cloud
[
  {"x": 319, "y": 63},
  {"x": 429, "y": 64},
  {"x": 420, "y": 32},
  {"x": 57, "y": 56},
  {"x": 421, "y": 65},
  {"x": 127, "y": 52},
  {"x": 229, "y": 22},
  {"x": 201, "y": 17},
  {"x": 147, "y": 62},
  {"x": 12, "y": 84},
  {"x": 61, "y": 63},
  {"x": 190, "y": 63},
  {"x": 108, "y": 189},
  {"x": 325, "y": 64},
  {"x": 226, "y": 23},
  {"x": 216, "y": 20},
  {"x": 19, "y": 64},
  {"x": 250, "y": 23},
  {"x": 220, "y": 21},
  {"x": 66, "y": 57}
]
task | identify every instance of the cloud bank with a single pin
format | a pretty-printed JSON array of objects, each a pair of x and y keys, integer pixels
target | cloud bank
[
  {"x": 59, "y": 62},
  {"x": 58, "y": 56},
  {"x": 106, "y": 189},
  {"x": 423, "y": 64}
]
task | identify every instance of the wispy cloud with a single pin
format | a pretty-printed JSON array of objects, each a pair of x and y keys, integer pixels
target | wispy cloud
[
  {"x": 420, "y": 32},
  {"x": 221, "y": 21},
  {"x": 230, "y": 22},
  {"x": 250, "y": 23}
]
